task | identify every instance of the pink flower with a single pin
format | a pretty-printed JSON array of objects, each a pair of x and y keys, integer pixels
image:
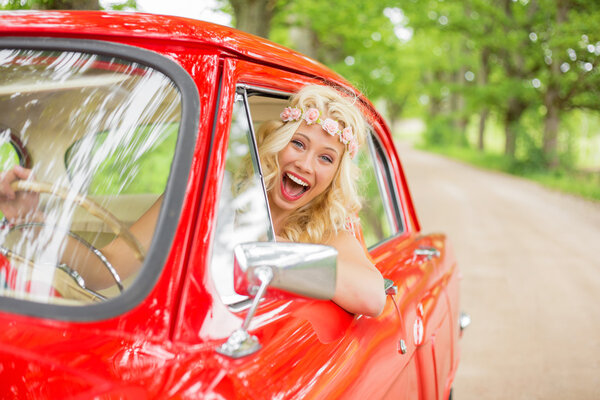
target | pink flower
[
  {"x": 346, "y": 136},
  {"x": 312, "y": 115},
  {"x": 352, "y": 148},
  {"x": 330, "y": 126},
  {"x": 286, "y": 114},
  {"x": 290, "y": 114},
  {"x": 296, "y": 113}
]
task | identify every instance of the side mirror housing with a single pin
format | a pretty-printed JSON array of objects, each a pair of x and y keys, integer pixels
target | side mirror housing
[{"x": 307, "y": 270}]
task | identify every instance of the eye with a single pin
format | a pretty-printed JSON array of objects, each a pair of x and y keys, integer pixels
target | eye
[
  {"x": 327, "y": 159},
  {"x": 297, "y": 143}
]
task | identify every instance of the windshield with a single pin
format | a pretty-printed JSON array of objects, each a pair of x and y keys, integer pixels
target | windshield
[{"x": 86, "y": 143}]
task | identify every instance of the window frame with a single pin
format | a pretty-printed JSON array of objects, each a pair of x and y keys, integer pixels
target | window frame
[
  {"x": 385, "y": 179},
  {"x": 174, "y": 190},
  {"x": 243, "y": 92}
]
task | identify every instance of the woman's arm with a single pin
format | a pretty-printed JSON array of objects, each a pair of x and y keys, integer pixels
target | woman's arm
[
  {"x": 117, "y": 252},
  {"x": 359, "y": 287}
]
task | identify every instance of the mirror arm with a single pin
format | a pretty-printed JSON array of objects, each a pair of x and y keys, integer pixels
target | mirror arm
[
  {"x": 240, "y": 343},
  {"x": 264, "y": 275}
]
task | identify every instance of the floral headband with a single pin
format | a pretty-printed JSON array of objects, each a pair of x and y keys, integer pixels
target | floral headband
[{"x": 332, "y": 127}]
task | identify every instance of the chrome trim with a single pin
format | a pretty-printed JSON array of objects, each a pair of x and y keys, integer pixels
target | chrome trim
[
  {"x": 384, "y": 194},
  {"x": 241, "y": 90},
  {"x": 390, "y": 178},
  {"x": 429, "y": 252},
  {"x": 303, "y": 269},
  {"x": 257, "y": 90},
  {"x": 402, "y": 348},
  {"x": 464, "y": 320},
  {"x": 390, "y": 288},
  {"x": 84, "y": 242},
  {"x": 240, "y": 343},
  {"x": 300, "y": 268}
]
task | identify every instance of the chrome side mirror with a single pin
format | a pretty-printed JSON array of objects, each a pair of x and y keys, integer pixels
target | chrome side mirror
[{"x": 308, "y": 270}]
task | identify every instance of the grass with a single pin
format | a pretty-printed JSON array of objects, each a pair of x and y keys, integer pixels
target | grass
[{"x": 586, "y": 185}]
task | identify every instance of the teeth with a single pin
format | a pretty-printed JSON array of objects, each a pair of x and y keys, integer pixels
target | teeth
[{"x": 298, "y": 181}]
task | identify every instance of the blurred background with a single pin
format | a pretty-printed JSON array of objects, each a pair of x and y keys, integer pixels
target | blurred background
[
  {"x": 469, "y": 87},
  {"x": 508, "y": 84}
]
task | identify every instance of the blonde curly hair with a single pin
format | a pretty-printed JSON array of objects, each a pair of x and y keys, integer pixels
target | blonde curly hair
[{"x": 337, "y": 207}]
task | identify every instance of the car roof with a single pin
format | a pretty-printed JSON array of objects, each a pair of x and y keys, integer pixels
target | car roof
[{"x": 101, "y": 25}]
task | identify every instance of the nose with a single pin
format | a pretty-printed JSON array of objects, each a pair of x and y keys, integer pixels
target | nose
[{"x": 305, "y": 161}]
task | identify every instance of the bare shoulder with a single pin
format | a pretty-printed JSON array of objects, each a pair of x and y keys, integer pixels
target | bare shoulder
[
  {"x": 343, "y": 237},
  {"x": 347, "y": 245}
]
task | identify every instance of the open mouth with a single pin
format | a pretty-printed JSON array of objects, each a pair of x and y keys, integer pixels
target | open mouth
[{"x": 293, "y": 187}]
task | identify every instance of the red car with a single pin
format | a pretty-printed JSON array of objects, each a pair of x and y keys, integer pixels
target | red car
[{"x": 121, "y": 114}]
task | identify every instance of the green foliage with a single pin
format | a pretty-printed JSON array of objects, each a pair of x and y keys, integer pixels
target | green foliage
[
  {"x": 527, "y": 63},
  {"x": 15, "y": 5},
  {"x": 65, "y": 5},
  {"x": 8, "y": 156},
  {"x": 442, "y": 132},
  {"x": 125, "y": 5},
  {"x": 142, "y": 165}
]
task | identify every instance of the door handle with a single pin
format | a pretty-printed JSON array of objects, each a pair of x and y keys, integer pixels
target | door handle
[
  {"x": 427, "y": 251},
  {"x": 389, "y": 287}
]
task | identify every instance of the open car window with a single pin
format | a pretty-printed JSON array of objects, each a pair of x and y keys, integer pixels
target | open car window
[
  {"x": 243, "y": 212},
  {"x": 99, "y": 133}
]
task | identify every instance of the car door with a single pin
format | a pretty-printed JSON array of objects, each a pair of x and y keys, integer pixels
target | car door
[
  {"x": 309, "y": 348},
  {"x": 422, "y": 267}
]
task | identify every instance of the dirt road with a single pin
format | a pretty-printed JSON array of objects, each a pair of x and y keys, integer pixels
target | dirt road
[{"x": 530, "y": 260}]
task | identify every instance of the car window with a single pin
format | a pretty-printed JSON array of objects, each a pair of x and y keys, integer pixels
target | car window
[
  {"x": 99, "y": 133},
  {"x": 243, "y": 214},
  {"x": 379, "y": 216},
  {"x": 243, "y": 207}
]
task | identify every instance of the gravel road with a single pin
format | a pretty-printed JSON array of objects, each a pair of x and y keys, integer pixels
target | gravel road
[{"x": 530, "y": 260}]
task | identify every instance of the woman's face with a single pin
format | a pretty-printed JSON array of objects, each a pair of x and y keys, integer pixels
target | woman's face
[{"x": 308, "y": 164}]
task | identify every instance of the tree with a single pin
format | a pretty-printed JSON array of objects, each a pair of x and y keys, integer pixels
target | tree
[
  {"x": 254, "y": 16},
  {"x": 365, "y": 41},
  {"x": 568, "y": 39}
]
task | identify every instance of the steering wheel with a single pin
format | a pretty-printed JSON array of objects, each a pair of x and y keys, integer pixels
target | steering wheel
[
  {"x": 116, "y": 226},
  {"x": 66, "y": 281}
]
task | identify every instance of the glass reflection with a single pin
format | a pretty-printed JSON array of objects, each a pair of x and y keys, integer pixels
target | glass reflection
[
  {"x": 242, "y": 213},
  {"x": 99, "y": 135}
]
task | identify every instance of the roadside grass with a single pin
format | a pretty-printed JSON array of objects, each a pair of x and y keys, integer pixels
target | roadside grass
[{"x": 583, "y": 184}]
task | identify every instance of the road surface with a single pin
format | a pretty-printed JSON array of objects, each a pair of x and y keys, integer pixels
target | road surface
[{"x": 530, "y": 260}]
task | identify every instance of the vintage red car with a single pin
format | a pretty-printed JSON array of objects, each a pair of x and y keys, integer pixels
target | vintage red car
[{"x": 116, "y": 111}]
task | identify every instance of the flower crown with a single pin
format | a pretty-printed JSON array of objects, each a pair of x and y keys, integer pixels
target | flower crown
[{"x": 332, "y": 127}]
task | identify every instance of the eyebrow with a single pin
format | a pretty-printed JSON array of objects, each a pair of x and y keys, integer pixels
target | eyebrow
[{"x": 327, "y": 147}]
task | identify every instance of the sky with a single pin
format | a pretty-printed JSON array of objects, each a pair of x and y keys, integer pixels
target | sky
[{"x": 198, "y": 9}]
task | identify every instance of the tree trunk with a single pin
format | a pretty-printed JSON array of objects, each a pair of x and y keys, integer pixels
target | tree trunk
[
  {"x": 254, "y": 16},
  {"x": 481, "y": 137},
  {"x": 511, "y": 125},
  {"x": 305, "y": 41},
  {"x": 483, "y": 81},
  {"x": 457, "y": 106},
  {"x": 551, "y": 124},
  {"x": 552, "y": 103},
  {"x": 394, "y": 109}
]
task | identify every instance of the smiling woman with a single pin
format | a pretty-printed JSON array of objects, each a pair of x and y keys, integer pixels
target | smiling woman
[{"x": 311, "y": 179}]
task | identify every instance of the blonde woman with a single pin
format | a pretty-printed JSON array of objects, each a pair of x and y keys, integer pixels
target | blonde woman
[{"x": 311, "y": 185}]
